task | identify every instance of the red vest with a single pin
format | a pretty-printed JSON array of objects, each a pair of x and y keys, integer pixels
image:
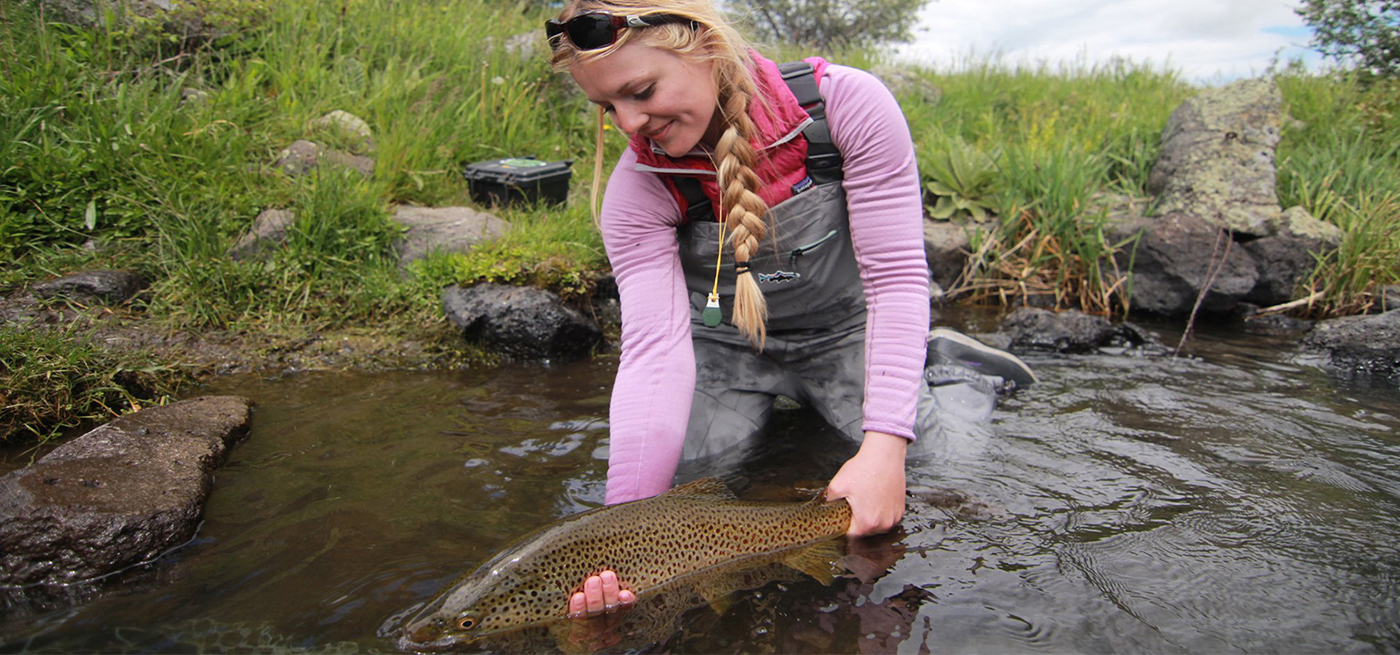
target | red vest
[{"x": 781, "y": 147}]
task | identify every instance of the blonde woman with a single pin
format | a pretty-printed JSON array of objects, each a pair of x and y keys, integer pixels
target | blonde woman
[{"x": 764, "y": 244}]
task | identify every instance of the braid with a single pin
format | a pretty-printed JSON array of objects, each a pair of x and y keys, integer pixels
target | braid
[
  {"x": 741, "y": 207},
  {"x": 707, "y": 37}
]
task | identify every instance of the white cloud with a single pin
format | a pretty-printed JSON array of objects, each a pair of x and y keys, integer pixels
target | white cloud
[{"x": 1205, "y": 40}]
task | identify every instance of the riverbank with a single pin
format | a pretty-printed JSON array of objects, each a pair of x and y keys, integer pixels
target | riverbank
[{"x": 125, "y": 149}]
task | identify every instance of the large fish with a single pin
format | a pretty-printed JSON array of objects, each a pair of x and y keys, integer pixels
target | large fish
[{"x": 694, "y": 542}]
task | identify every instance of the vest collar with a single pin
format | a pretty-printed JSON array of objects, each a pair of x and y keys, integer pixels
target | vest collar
[{"x": 783, "y": 120}]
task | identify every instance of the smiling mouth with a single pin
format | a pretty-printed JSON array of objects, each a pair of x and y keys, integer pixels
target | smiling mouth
[{"x": 656, "y": 134}]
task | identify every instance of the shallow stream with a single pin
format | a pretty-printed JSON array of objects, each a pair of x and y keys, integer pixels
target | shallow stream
[{"x": 1233, "y": 500}]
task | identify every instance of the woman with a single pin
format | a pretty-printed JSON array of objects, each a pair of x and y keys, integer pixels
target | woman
[{"x": 812, "y": 283}]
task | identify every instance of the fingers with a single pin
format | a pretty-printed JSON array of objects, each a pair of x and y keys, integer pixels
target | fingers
[{"x": 602, "y": 594}]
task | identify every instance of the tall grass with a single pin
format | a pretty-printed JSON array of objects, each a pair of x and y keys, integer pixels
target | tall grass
[
  {"x": 162, "y": 152},
  {"x": 53, "y": 381},
  {"x": 1340, "y": 160},
  {"x": 99, "y": 140},
  {"x": 1064, "y": 141}
]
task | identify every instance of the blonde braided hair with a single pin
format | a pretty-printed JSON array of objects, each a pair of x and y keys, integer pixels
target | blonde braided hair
[{"x": 743, "y": 211}]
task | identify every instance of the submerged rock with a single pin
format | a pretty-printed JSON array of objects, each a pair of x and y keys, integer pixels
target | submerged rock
[
  {"x": 520, "y": 321},
  {"x": 117, "y": 496},
  {"x": 103, "y": 286},
  {"x": 1071, "y": 331},
  {"x": 1360, "y": 349}
]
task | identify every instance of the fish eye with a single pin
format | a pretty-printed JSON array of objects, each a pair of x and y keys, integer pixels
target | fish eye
[{"x": 467, "y": 622}]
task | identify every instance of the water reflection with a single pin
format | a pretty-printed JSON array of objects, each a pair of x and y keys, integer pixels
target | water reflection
[{"x": 1231, "y": 500}]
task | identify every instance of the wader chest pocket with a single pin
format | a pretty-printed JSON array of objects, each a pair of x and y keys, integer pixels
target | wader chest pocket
[{"x": 799, "y": 251}]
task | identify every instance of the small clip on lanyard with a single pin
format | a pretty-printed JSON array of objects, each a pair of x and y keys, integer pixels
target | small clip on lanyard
[{"x": 713, "y": 316}]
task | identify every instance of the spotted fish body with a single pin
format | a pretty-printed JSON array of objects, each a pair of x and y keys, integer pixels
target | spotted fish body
[{"x": 650, "y": 543}]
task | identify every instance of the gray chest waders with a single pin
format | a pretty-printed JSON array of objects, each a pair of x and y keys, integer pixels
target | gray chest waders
[{"x": 806, "y": 267}]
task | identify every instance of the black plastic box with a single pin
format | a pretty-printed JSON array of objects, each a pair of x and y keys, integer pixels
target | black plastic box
[{"x": 518, "y": 180}]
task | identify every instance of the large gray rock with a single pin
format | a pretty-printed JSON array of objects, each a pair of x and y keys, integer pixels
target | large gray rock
[
  {"x": 1172, "y": 262},
  {"x": 180, "y": 19},
  {"x": 449, "y": 229},
  {"x": 1034, "y": 329},
  {"x": 1289, "y": 254},
  {"x": 1217, "y": 159},
  {"x": 107, "y": 287},
  {"x": 1360, "y": 349},
  {"x": 117, "y": 496},
  {"x": 521, "y": 322}
]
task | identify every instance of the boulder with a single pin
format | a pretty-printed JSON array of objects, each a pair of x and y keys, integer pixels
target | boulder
[
  {"x": 1033, "y": 329},
  {"x": 1173, "y": 259},
  {"x": 305, "y": 156},
  {"x": 946, "y": 245},
  {"x": 269, "y": 232},
  {"x": 450, "y": 229},
  {"x": 1217, "y": 158},
  {"x": 1360, "y": 349},
  {"x": 178, "y": 19},
  {"x": 1286, "y": 257},
  {"x": 117, "y": 496},
  {"x": 522, "y": 322},
  {"x": 106, "y": 287}
]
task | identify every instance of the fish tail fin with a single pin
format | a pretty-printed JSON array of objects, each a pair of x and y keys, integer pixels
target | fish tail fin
[{"x": 817, "y": 560}]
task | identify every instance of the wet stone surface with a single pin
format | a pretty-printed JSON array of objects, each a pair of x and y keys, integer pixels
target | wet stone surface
[{"x": 119, "y": 495}]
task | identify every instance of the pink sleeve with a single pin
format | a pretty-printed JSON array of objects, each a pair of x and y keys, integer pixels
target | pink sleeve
[
  {"x": 656, "y": 377},
  {"x": 886, "y": 214}
]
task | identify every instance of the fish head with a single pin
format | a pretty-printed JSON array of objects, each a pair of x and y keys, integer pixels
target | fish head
[{"x": 496, "y": 598}]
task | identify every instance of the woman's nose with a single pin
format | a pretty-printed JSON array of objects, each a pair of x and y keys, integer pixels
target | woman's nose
[{"x": 628, "y": 119}]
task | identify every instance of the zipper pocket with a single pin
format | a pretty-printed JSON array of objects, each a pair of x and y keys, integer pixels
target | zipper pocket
[{"x": 800, "y": 251}]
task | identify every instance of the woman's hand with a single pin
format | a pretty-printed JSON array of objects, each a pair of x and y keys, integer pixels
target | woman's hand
[
  {"x": 873, "y": 483},
  {"x": 602, "y": 594}
]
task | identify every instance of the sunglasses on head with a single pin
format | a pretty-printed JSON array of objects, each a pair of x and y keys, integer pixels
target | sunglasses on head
[{"x": 598, "y": 29}]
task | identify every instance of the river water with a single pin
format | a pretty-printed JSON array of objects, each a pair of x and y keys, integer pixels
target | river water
[{"x": 1236, "y": 499}]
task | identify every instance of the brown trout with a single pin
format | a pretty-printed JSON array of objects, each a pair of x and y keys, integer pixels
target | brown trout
[{"x": 697, "y": 537}]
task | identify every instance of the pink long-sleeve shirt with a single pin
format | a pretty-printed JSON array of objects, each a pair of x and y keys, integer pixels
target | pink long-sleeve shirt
[{"x": 656, "y": 378}]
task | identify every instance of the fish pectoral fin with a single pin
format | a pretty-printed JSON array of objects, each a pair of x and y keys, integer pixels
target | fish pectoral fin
[
  {"x": 817, "y": 560},
  {"x": 719, "y": 594},
  {"x": 712, "y": 487}
]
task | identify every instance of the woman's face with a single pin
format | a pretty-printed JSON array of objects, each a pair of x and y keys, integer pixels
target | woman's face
[{"x": 655, "y": 93}]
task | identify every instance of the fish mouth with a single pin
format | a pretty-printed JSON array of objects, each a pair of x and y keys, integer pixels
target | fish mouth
[{"x": 444, "y": 644}]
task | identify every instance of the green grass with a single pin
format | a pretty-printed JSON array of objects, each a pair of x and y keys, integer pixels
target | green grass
[
  {"x": 1340, "y": 160},
  {"x": 51, "y": 381},
  {"x": 1061, "y": 139},
  {"x": 160, "y": 152}
]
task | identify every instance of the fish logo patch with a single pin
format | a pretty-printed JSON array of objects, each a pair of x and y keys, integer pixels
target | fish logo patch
[{"x": 778, "y": 276}]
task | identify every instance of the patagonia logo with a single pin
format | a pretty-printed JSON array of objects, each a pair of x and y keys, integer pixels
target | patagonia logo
[
  {"x": 777, "y": 276},
  {"x": 805, "y": 184}
]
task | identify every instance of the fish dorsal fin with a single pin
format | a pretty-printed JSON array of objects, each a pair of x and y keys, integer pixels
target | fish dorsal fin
[
  {"x": 816, "y": 560},
  {"x": 713, "y": 487}
]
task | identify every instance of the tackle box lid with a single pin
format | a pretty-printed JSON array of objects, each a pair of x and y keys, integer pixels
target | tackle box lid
[{"x": 516, "y": 170}]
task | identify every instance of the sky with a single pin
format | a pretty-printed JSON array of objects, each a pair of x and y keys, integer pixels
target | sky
[{"x": 1207, "y": 41}]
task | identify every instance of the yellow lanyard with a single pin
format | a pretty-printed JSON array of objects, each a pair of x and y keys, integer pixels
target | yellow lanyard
[{"x": 713, "y": 316}]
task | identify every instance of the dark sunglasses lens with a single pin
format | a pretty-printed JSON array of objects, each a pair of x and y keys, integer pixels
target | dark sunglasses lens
[{"x": 592, "y": 31}]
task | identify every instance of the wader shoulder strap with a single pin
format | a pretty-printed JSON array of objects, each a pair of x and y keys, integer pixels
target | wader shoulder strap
[{"x": 823, "y": 158}]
